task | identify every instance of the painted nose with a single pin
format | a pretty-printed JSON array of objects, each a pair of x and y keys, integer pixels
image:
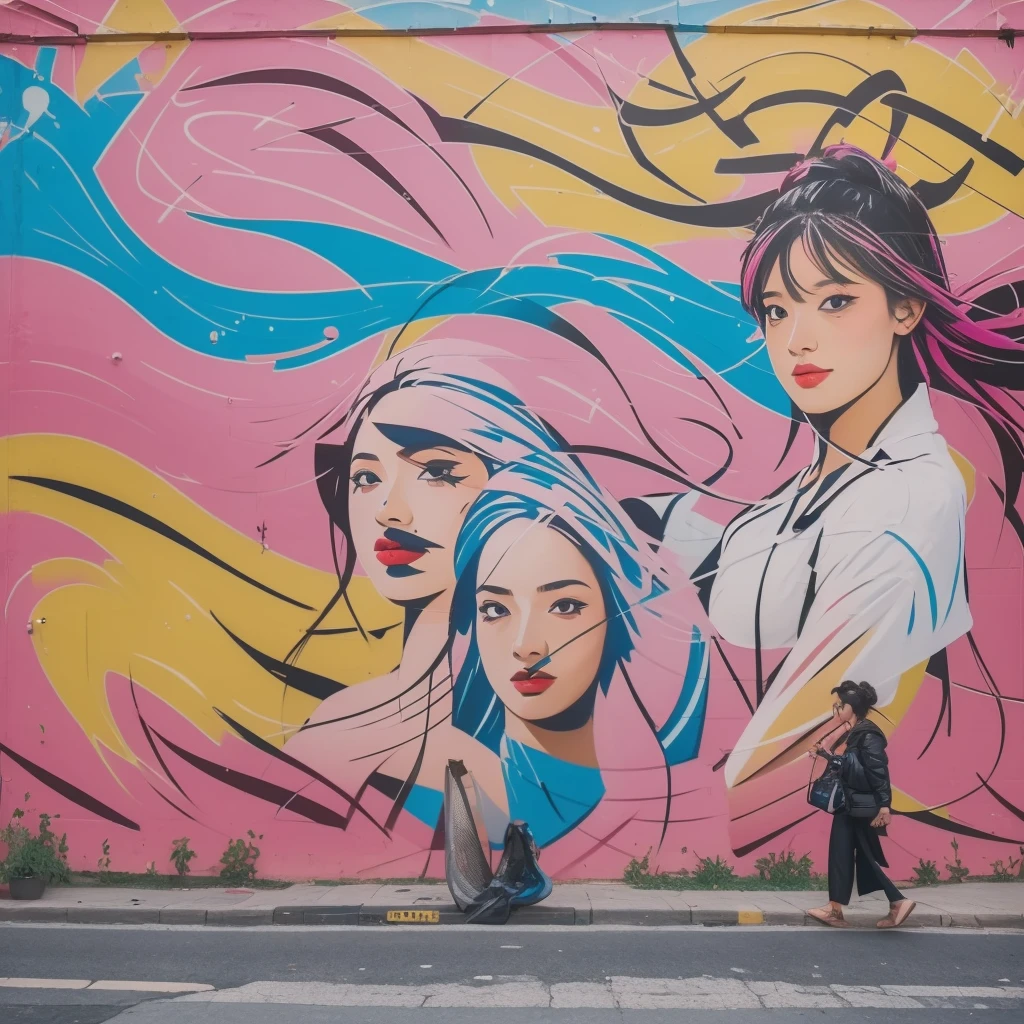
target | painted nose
[
  {"x": 802, "y": 339},
  {"x": 394, "y": 510},
  {"x": 529, "y": 648}
]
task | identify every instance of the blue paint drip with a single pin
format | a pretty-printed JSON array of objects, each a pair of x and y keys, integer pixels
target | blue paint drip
[
  {"x": 63, "y": 216},
  {"x": 932, "y": 601}
]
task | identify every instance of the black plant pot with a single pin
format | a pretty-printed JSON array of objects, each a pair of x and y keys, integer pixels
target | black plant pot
[{"x": 27, "y": 888}]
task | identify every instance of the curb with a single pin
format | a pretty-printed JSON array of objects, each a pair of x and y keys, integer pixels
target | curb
[{"x": 374, "y": 915}]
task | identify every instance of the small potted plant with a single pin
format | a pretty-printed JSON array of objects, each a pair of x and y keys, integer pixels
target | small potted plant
[{"x": 32, "y": 860}]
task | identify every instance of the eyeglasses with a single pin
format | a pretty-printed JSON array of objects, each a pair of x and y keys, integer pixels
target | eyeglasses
[{"x": 838, "y": 706}]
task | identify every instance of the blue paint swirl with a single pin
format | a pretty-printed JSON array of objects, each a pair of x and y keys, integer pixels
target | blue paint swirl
[{"x": 56, "y": 210}]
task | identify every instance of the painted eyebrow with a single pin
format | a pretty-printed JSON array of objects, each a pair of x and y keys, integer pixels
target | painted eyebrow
[
  {"x": 488, "y": 589},
  {"x": 409, "y": 453},
  {"x": 365, "y": 455},
  {"x": 560, "y": 584},
  {"x": 770, "y": 295}
]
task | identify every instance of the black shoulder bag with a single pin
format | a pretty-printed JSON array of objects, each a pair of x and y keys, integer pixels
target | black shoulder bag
[{"x": 827, "y": 792}]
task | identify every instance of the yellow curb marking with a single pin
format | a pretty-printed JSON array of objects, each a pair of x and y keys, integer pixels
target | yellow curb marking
[{"x": 414, "y": 917}]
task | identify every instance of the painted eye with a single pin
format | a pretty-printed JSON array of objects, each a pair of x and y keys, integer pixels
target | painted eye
[
  {"x": 490, "y": 611},
  {"x": 364, "y": 478},
  {"x": 834, "y": 303},
  {"x": 440, "y": 472},
  {"x": 567, "y": 606},
  {"x": 773, "y": 314}
]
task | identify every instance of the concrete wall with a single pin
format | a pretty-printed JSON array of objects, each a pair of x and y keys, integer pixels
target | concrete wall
[{"x": 314, "y": 326}]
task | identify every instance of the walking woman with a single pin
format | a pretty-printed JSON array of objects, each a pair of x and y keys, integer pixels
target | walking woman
[{"x": 854, "y": 843}]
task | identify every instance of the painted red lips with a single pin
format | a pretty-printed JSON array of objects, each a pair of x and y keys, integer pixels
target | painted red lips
[
  {"x": 391, "y": 552},
  {"x": 530, "y": 685},
  {"x": 807, "y": 375}
]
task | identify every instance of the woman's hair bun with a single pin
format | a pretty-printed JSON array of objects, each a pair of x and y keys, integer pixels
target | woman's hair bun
[
  {"x": 869, "y": 694},
  {"x": 844, "y": 163}
]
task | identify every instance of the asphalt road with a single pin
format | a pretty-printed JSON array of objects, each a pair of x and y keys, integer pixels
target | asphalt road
[{"x": 232, "y": 958}]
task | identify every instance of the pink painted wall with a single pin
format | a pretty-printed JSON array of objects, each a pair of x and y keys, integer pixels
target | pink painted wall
[{"x": 222, "y": 249}]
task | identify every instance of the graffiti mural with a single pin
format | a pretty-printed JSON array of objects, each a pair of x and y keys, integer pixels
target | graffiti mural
[{"x": 582, "y": 405}]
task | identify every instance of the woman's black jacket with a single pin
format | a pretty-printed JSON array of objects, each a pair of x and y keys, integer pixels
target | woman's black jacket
[{"x": 868, "y": 770}]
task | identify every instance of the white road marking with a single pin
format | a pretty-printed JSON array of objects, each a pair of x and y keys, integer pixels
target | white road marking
[
  {"x": 617, "y": 992},
  {"x": 171, "y": 987},
  {"x": 43, "y": 983},
  {"x": 625, "y": 993}
]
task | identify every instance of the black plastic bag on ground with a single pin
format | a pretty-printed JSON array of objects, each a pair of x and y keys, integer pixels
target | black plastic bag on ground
[{"x": 487, "y": 897}]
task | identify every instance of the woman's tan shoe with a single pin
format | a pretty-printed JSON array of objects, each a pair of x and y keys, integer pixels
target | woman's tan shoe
[
  {"x": 829, "y": 915},
  {"x": 898, "y": 913}
]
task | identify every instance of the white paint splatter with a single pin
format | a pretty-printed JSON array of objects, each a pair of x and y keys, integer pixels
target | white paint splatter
[{"x": 36, "y": 101}]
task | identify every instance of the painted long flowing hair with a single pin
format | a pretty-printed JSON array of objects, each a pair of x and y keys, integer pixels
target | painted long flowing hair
[
  {"x": 650, "y": 691},
  {"x": 851, "y": 211}
]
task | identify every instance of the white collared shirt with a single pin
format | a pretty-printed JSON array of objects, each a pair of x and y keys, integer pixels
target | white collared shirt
[{"x": 863, "y": 581}]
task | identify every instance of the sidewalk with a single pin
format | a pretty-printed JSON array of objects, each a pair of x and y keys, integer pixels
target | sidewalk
[{"x": 971, "y": 905}]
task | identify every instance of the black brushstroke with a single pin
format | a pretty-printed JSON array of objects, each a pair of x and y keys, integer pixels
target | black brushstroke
[
  {"x": 770, "y": 803},
  {"x": 935, "y": 193},
  {"x": 148, "y": 522},
  {"x": 386, "y": 784},
  {"x": 814, "y": 511},
  {"x": 736, "y": 680},
  {"x": 166, "y": 800},
  {"x": 325, "y": 83},
  {"x": 644, "y": 517},
  {"x": 742, "y": 851},
  {"x": 70, "y": 792},
  {"x": 731, "y": 213},
  {"x": 641, "y": 707},
  {"x": 862, "y": 95},
  {"x": 644, "y": 161},
  {"x": 773, "y": 163},
  {"x": 659, "y": 117},
  {"x": 759, "y": 687},
  {"x": 345, "y": 145},
  {"x": 946, "y": 825},
  {"x": 259, "y": 788},
  {"x": 268, "y": 748},
  {"x": 1012, "y": 808},
  {"x": 812, "y": 585},
  {"x": 150, "y": 741},
  {"x": 999, "y": 155},
  {"x": 297, "y": 678},
  {"x": 938, "y": 666},
  {"x": 714, "y": 477},
  {"x": 735, "y": 130},
  {"x": 704, "y": 575}
]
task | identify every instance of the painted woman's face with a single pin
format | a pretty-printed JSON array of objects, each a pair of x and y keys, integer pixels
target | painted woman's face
[
  {"x": 834, "y": 343},
  {"x": 537, "y": 597},
  {"x": 409, "y": 490}
]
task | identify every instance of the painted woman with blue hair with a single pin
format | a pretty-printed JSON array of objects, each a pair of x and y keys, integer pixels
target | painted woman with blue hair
[
  {"x": 566, "y": 609},
  {"x": 571, "y": 652}
]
